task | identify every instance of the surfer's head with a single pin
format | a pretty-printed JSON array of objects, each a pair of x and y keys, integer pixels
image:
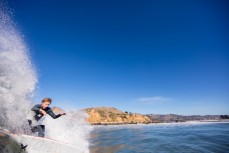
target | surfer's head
[{"x": 46, "y": 102}]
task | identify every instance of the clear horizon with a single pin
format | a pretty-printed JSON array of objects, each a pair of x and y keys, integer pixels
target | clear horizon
[{"x": 148, "y": 57}]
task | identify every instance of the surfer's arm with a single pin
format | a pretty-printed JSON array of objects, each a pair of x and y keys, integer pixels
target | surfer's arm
[
  {"x": 36, "y": 107},
  {"x": 54, "y": 116}
]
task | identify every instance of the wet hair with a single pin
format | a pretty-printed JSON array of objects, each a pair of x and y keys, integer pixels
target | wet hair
[{"x": 47, "y": 100}]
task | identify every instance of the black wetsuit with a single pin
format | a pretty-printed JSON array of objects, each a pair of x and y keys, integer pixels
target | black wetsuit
[{"x": 38, "y": 115}]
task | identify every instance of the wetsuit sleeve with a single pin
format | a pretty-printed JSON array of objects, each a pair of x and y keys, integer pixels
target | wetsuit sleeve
[
  {"x": 50, "y": 112},
  {"x": 36, "y": 107}
]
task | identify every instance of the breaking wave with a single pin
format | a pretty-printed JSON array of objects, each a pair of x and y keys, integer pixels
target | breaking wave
[
  {"x": 18, "y": 81},
  {"x": 18, "y": 77}
]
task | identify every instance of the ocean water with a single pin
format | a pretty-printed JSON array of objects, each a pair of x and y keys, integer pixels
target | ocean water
[{"x": 189, "y": 137}]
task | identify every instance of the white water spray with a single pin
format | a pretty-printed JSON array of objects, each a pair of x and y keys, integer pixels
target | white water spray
[
  {"x": 17, "y": 85},
  {"x": 17, "y": 76},
  {"x": 72, "y": 129}
]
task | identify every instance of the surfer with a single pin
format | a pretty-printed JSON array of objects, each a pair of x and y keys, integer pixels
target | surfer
[{"x": 41, "y": 110}]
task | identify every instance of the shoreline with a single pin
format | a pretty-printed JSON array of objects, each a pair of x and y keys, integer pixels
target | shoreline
[{"x": 124, "y": 123}]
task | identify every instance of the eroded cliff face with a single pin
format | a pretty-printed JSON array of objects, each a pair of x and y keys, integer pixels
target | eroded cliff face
[{"x": 110, "y": 115}]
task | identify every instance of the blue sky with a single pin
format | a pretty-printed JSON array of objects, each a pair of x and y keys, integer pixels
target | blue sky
[{"x": 139, "y": 56}]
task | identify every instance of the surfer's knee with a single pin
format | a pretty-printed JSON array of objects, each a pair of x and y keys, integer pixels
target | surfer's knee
[
  {"x": 42, "y": 127},
  {"x": 34, "y": 129}
]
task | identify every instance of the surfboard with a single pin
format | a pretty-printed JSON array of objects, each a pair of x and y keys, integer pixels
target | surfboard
[
  {"x": 14, "y": 143},
  {"x": 8, "y": 144}
]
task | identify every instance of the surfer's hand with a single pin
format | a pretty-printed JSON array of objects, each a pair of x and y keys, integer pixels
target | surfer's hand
[
  {"x": 43, "y": 112},
  {"x": 62, "y": 113}
]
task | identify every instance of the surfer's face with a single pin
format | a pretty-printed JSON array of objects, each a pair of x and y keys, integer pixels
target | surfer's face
[{"x": 45, "y": 104}]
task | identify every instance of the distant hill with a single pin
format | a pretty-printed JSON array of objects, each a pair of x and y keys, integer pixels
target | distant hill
[
  {"x": 180, "y": 118},
  {"x": 111, "y": 115}
]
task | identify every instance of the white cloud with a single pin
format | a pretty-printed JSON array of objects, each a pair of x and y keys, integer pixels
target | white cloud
[{"x": 155, "y": 99}]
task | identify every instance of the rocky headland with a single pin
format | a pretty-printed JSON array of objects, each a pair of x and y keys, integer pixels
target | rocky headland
[{"x": 113, "y": 116}]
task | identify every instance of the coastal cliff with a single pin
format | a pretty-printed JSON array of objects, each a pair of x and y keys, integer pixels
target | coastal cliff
[{"x": 111, "y": 115}]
